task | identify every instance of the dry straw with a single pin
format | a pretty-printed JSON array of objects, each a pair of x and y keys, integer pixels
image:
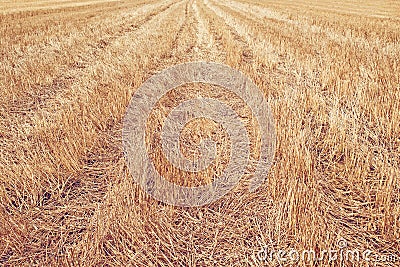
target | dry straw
[{"x": 155, "y": 88}]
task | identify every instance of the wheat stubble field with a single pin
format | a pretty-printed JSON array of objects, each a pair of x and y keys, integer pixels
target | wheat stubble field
[{"x": 330, "y": 71}]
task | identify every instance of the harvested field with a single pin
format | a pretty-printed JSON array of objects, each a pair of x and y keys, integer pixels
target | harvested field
[{"x": 330, "y": 71}]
